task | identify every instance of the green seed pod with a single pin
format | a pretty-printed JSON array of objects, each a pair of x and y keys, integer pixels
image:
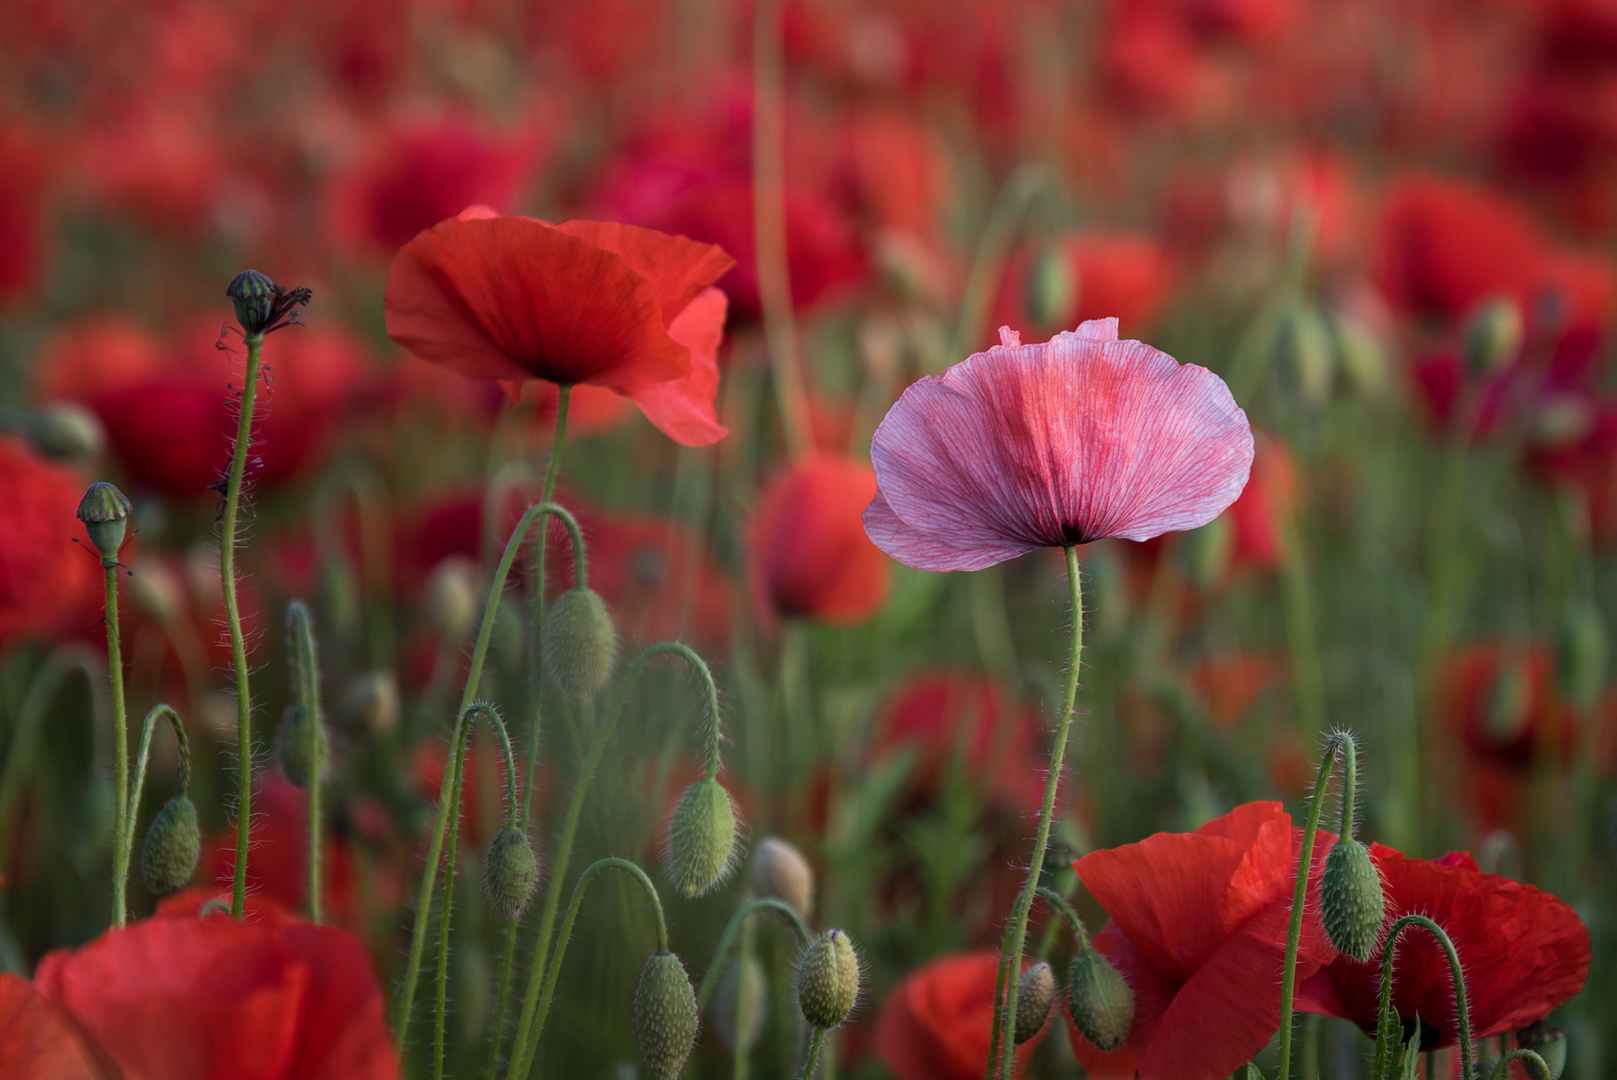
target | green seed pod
[
  {"x": 665, "y": 1016},
  {"x": 510, "y": 873},
  {"x": 828, "y": 980},
  {"x": 292, "y": 745},
  {"x": 580, "y": 642},
  {"x": 741, "y": 1003},
  {"x": 1548, "y": 1041},
  {"x": 65, "y": 431},
  {"x": 1305, "y": 349},
  {"x": 1362, "y": 354},
  {"x": 168, "y": 855},
  {"x": 779, "y": 871},
  {"x": 701, "y": 843},
  {"x": 1051, "y": 289},
  {"x": 1034, "y": 994},
  {"x": 1350, "y": 891},
  {"x": 1493, "y": 336},
  {"x": 1099, "y": 1001},
  {"x": 253, "y": 295},
  {"x": 105, "y": 513}
]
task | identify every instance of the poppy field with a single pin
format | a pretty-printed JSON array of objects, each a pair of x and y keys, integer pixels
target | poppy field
[{"x": 914, "y": 539}]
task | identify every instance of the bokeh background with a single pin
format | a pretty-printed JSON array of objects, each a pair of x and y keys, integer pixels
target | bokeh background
[{"x": 1387, "y": 223}]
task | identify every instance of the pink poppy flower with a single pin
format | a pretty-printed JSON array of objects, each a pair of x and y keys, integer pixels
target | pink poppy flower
[{"x": 1074, "y": 440}]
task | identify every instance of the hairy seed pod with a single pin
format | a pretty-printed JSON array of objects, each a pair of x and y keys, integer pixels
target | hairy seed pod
[
  {"x": 1099, "y": 1001},
  {"x": 510, "y": 873},
  {"x": 168, "y": 855},
  {"x": 828, "y": 980},
  {"x": 1351, "y": 899},
  {"x": 701, "y": 843},
  {"x": 741, "y": 1003},
  {"x": 779, "y": 871},
  {"x": 1034, "y": 994},
  {"x": 580, "y": 643},
  {"x": 665, "y": 1016},
  {"x": 292, "y": 745},
  {"x": 105, "y": 513}
]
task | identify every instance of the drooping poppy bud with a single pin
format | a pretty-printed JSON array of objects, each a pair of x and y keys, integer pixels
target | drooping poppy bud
[
  {"x": 1548, "y": 1041},
  {"x": 292, "y": 749},
  {"x": 1033, "y": 997},
  {"x": 780, "y": 871},
  {"x": 741, "y": 1003},
  {"x": 1493, "y": 336},
  {"x": 701, "y": 842},
  {"x": 168, "y": 855},
  {"x": 828, "y": 980},
  {"x": 1306, "y": 353},
  {"x": 665, "y": 1016},
  {"x": 262, "y": 306},
  {"x": 451, "y": 597},
  {"x": 510, "y": 873},
  {"x": 65, "y": 431},
  {"x": 580, "y": 643},
  {"x": 371, "y": 702},
  {"x": 1351, "y": 899},
  {"x": 1099, "y": 1001},
  {"x": 105, "y": 513}
]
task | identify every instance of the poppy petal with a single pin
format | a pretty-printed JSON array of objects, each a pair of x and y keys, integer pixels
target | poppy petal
[
  {"x": 37, "y": 1042},
  {"x": 679, "y": 268},
  {"x": 682, "y": 408}
]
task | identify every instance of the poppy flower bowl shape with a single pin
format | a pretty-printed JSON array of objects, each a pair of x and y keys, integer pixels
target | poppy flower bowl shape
[
  {"x": 1524, "y": 952},
  {"x": 583, "y": 302},
  {"x": 935, "y": 1024},
  {"x": 1198, "y": 931},
  {"x": 1029, "y": 446}
]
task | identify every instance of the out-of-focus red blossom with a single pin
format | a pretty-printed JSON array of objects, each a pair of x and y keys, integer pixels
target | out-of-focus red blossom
[
  {"x": 166, "y": 404},
  {"x": 1198, "y": 930},
  {"x": 47, "y": 582},
  {"x": 22, "y": 176},
  {"x": 606, "y": 42},
  {"x": 1270, "y": 492},
  {"x": 1126, "y": 275},
  {"x": 158, "y": 161},
  {"x": 1162, "y": 54},
  {"x": 419, "y": 172},
  {"x": 935, "y": 1025},
  {"x": 891, "y": 171},
  {"x": 180, "y": 997},
  {"x": 1232, "y": 685},
  {"x": 616, "y": 306},
  {"x": 483, "y": 791},
  {"x": 1524, "y": 952},
  {"x": 1585, "y": 462},
  {"x": 1074, "y": 440},
  {"x": 941, "y": 715},
  {"x": 37, "y": 1040},
  {"x": 808, "y": 554}
]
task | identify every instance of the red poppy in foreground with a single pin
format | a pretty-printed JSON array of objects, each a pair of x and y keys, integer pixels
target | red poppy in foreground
[
  {"x": 935, "y": 1025},
  {"x": 809, "y": 554},
  {"x": 37, "y": 1041},
  {"x": 1198, "y": 931},
  {"x": 1029, "y": 446},
  {"x": 177, "y": 997},
  {"x": 1524, "y": 952},
  {"x": 515, "y": 298}
]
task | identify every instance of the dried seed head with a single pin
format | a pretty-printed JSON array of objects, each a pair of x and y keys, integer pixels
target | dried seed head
[
  {"x": 1099, "y": 1001},
  {"x": 1351, "y": 899},
  {"x": 665, "y": 1016},
  {"x": 580, "y": 643},
  {"x": 168, "y": 855},
  {"x": 292, "y": 749},
  {"x": 105, "y": 513},
  {"x": 510, "y": 873},
  {"x": 702, "y": 840},
  {"x": 740, "y": 1004},
  {"x": 828, "y": 980},
  {"x": 1034, "y": 994},
  {"x": 778, "y": 870},
  {"x": 262, "y": 306}
]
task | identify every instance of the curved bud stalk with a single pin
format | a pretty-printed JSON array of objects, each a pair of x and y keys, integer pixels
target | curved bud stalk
[
  {"x": 737, "y": 921},
  {"x": 1352, "y": 904},
  {"x": 1099, "y": 1002},
  {"x": 1387, "y": 1027},
  {"x": 168, "y": 855}
]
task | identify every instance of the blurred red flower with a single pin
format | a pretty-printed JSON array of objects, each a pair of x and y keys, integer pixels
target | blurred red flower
[
  {"x": 37, "y": 1041},
  {"x": 514, "y": 298},
  {"x": 1256, "y": 514},
  {"x": 935, "y": 1025},
  {"x": 808, "y": 554},
  {"x": 1198, "y": 930},
  {"x": 1029, "y": 446},
  {"x": 1231, "y": 685},
  {"x": 1123, "y": 274},
  {"x": 22, "y": 240},
  {"x": 1524, "y": 952},
  {"x": 46, "y": 581},
  {"x": 942, "y": 714}
]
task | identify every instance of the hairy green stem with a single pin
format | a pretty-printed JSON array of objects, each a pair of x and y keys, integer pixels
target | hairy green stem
[
  {"x": 1531, "y": 1057},
  {"x": 306, "y": 668},
  {"x": 126, "y": 839},
  {"x": 813, "y": 1054},
  {"x": 1080, "y": 936},
  {"x": 1384, "y": 1022},
  {"x": 1021, "y": 188},
  {"x": 238, "y": 643},
  {"x": 120, "y": 745},
  {"x": 742, "y": 914}
]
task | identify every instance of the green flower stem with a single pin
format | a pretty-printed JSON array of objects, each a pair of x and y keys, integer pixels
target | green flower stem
[
  {"x": 1350, "y": 782},
  {"x": 418, "y": 937},
  {"x": 1021, "y": 188},
  {"x": 1010, "y": 959},
  {"x": 742, "y": 914},
  {"x": 1080, "y": 936},
  {"x": 120, "y": 746},
  {"x": 456, "y": 768},
  {"x": 528, "y": 1031},
  {"x": 238, "y": 643},
  {"x": 305, "y": 666},
  {"x": 536, "y": 592},
  {"x": 126, "y": 839},
  {"x": 1384, "y": 1020},
  {"x": 1299, "y": 895},
  {"x": 740, "y": 1053},
  {"x": 47, "y": 682},
  {"x": 813, "y": 1054},
  {"x": 369, "y": 490},
  {"x": 1302, "y": 636},
  {"x": 1502, "y": 1069}
]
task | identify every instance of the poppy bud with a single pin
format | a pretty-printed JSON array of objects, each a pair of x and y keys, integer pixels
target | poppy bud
[
  {"x": 156, "y": 590},
  {"x": 828, "y": 980},
  {"x": 451, "y": 597},
  {"x": 1099, "y": 1001},
  {"x": 1362, "y": 353},
  {"x": 66, "y": 431},
  {"x": 1051, "y": 289},
  {"x": 740, "y": 1003},
  {"x": 292, "y": 745},
  {"x": 579, "y": 644},
  {"x": 1305, "y": 348},
  {"x": 168, "y": 855},
  {"x": 701, "y": 843},
  {"x": 1547, "y": 1041},
  {"x": 1033, "y": 996},
  {"x": 779, "y": 871},
  {"x": 105, "y": 513},
  {"x": 253, "y": 295},
  {"x": 510, "y": 873},
  {"x": 371, "y": 702},
  {"x": 1350, "y": 891},
  {"x": 665, "y": 1016},
  {"x": 1581, "y": 654},
  {"x": 1493, "y": 336}
]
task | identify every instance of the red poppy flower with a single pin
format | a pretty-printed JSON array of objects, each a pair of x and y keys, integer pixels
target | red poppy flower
[
  {"x": 1029, "y": 446},
  {"x": 37, "y": 1041},
  {"x": 940, "y": 714},
  {"x": 514, "y": 298},
  {"x": 1524, "y": 952},
  {"x": 936, "y": 1024},
  {"x": 1231, "y": 685},
  {"x": 1256, "y": 514},
  {"x": 808, "y": 552},
  {"x": 46, "y": 581},
  {"x": 179, "y": 997},
  {"x": 1198, "y": 931},
  {"x": 1123, "y": 274},
  {"x": 22, "y": 173}
]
